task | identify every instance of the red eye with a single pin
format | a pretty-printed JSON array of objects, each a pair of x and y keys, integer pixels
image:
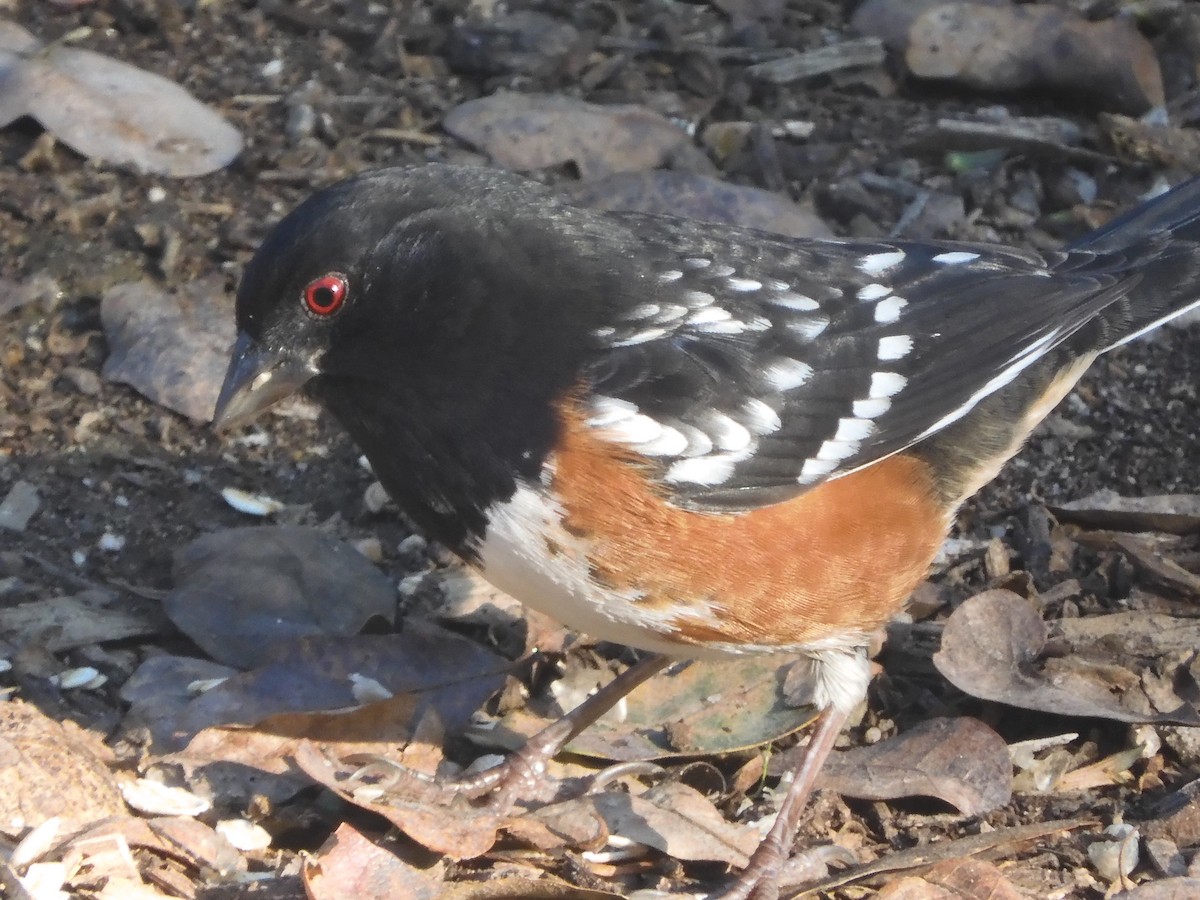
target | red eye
[{"x": 325, "y": 295}]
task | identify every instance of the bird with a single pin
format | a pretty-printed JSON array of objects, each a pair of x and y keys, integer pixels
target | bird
[{"x": 696, "y": 439}]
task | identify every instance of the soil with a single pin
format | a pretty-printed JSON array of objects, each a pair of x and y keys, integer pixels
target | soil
[{"x": 106, "y": 461}]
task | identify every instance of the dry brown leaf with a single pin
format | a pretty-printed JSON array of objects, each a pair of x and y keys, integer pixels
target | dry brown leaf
[
  {"x": 670, "y": 817},
  {"x": 171, "y": 347},
  {"x": 48, "y": 769},
  {"x": 1000, "y": 840},
  {"x": 1167, "y": 889},
  {"x": 960, "y": 761},
  {"x": 350, "y": 865},
  {"x": 521, "y": 889},
  {"x": 79, "y": 620},
  {"x": 106, "y": 109},
  {"x": 956, "y": 879},
  {"x": 460, "y": 831},
  {"x": 246, "y": 594},
  {"x": 442, "y": 670},
  {"x": 524, "y": 132},
  {"x": 708, "y": 706},
  {"x": 991, "y": 646}
]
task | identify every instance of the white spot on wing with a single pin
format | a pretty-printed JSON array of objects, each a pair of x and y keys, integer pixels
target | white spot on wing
[
  {"x": 699, "y": 443},
  {"x": 880, "y": 262},
  {"x": 636, "y": 429},
  {"x": 816, "y": 468},
  {"x": 641, "y": 337},
  {"x": 786, "y": 374},
  {"x": 853, "y": 429},
  {"x": 699, "y": 298},
  {"x": 609, "y": 410},
  {"x": 808, "y": 327},
  {"x": 895, "y": 346},
  {"x": 721, "y": 271},
  {"x": 697, "y": 262},
  {"x": 792, "y": 300},
  {"x": 888, "y": 311},
  {"x": 836, "y": 451},
  {"x": 709, "y": 314},
  {"x": 873, "y": 408},
  {"x": 726, "y": 433},
  {"x": 873, "y": 291},
  {"x": 703, "y": 470},
  {"x": 760, "y": 418},
  {"x": 645, "y": 311},
  {"x": 955, "y": 257},
  {"x": 670, "y": 442},
  {"x": 670, "y": 275},
  {"x": 886, "y": 384},
  {"x": 744, "y": 284}
]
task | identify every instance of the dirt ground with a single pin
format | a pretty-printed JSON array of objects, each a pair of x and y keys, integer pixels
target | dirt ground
[{"x": 106, "y": 461}]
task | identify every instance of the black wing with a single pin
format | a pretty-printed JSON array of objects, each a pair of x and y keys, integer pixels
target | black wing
[{"x": 754, "y": 367}]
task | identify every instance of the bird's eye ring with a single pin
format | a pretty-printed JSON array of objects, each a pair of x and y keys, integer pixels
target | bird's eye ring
[{"x": 324, "y": 296}]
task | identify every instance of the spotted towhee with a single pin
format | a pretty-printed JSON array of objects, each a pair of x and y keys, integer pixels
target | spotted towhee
[{"x": 691, "y": 438}]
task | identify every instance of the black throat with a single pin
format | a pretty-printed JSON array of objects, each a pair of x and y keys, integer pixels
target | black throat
[{"x": 452, "y": 386}]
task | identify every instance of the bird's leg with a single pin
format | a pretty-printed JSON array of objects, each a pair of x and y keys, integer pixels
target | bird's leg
[
  {"x": 523, "y": 769},
  {"x": 760, "y": 878}
]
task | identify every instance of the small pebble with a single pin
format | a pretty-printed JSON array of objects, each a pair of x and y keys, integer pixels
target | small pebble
[
  {"x": 251, "y": 504},
  {"x": 244, "y": 834},
  {"x": 272, "y": 69},
  {"x": 1115, "y": 858},
  {"x": 410, "y": 584},
  {"x": 18, "y": 506},
  {"x": 157, "y": 799},
  {"x": 375, "y": 497},
  {"x": 111, "y": 543},
  {"x": 371, "y": 548},
  {"x": 413, "y": 545},
  {"x": 85, "y": 677},
  {"x": 79, "y": 558},
  {"x": 156, "y": 194}
]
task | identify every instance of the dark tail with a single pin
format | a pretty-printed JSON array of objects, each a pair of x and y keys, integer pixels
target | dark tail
[{"x": 1158, "y": 243}]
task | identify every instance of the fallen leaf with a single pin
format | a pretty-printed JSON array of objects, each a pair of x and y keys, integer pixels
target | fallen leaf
[
  {"x": 171, "y": 347},
  {"x": 524, "y": 132},
  {"x": 48, "y": 770},
  {"x": 960, "y": 761},
  {"x": 109, "y": 110},
  {"x": 63, "y": 623},
  {"x": 444, "y": 671},
  {"x": 349, "y": 865},
  {"x": 1002, "y": 839},
  {"x": 679, "y": 821},
  {"x": 521, "y": 889},
  {"x": 706, "y": 707},
  {"x": 956, "y": 879},
  {"x": 991, "y": 646},
  {"x": 244, "y": 593},
  {"x": 1167, "y": 889},
  {"x": 461, "y": 831}
]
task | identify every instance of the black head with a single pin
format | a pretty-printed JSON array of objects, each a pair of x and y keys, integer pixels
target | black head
[{"x": 439, "y": 313}]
